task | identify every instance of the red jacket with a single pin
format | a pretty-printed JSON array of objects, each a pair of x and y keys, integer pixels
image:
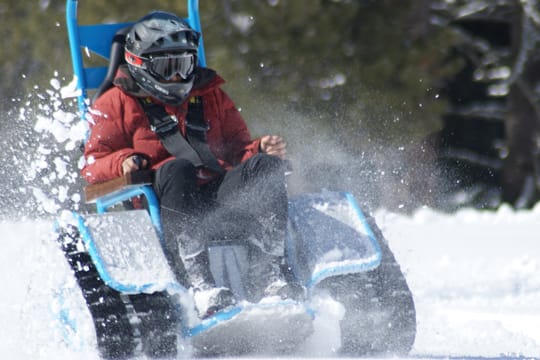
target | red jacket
[{"x": 120, "y": 128}]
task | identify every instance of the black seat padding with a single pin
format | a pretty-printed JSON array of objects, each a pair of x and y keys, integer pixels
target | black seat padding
[{"x": 115, "y": 60}]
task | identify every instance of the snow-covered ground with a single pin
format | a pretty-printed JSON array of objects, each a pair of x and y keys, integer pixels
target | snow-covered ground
[
  {"x": 475, "y": 279},
  {"x": 474, "y": 276}
]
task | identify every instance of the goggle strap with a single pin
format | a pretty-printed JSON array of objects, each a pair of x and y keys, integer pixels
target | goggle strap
[{"x": 133, "y": 59}]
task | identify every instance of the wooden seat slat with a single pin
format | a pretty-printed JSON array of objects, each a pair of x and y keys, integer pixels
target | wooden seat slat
[{"x": 93, "y": 192}]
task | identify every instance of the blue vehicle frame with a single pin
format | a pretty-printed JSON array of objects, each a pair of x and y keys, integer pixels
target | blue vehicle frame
[{"x": 313, "y": 229}]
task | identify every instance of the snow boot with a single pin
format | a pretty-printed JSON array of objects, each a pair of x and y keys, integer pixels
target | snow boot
[
  {"x": 207, "y": 297},
  {"x": 286, "y": 290},
  {"x": 266, "y": 278},
  {"x": 212, "y": 300}
]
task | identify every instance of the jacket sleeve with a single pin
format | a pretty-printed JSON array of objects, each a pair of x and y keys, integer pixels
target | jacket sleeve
[
  {"x": 110, "y": 140},
  {"x": 237, "y": 137}
]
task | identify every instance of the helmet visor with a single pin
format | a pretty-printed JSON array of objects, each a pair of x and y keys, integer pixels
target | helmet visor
[{"x": 170, "y": 65}]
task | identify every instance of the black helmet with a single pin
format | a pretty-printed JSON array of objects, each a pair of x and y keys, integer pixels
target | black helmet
[{"x": 159, "y": 47}]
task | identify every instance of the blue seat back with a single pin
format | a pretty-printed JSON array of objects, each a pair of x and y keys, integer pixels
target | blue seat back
[{"x": 97, "y": 39}]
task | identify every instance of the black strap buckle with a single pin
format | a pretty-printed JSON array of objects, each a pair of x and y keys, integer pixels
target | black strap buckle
[{"x": 165, "y": 124}]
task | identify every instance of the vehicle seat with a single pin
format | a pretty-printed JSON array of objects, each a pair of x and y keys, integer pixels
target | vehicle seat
[{"x": 116, "y": 59}]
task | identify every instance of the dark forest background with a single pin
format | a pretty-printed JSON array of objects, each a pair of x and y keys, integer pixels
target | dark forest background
[{"x": 405, "y": 103}]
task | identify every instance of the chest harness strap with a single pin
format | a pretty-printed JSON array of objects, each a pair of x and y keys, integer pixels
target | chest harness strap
[{"x": 194, "y": 147}]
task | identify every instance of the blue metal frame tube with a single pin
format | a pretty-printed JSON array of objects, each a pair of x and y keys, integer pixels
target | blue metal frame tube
[
  {"x": 194, "y": 21},
  {"x": 76, "y": 57},
  {"x": 105, "y": 202}
]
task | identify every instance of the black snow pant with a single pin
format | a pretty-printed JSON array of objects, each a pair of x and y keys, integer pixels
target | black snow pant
[{"x": 247, "y": 205}]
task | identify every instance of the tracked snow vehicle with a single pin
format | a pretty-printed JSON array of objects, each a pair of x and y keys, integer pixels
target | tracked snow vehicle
[{"x": 138, "y": 307}]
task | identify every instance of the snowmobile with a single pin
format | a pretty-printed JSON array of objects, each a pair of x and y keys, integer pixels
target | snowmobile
[{"x": 136, "y": 303}]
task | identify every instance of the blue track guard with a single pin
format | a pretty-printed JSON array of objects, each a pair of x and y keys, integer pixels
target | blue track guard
[
  {"x": 104, "y": 203},
  {"x": 328, "y": 235},
  {"x": 127, "y": 252}
]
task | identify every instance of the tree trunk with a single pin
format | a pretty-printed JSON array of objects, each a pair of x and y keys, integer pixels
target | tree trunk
[{"x": 521, "y": 126}]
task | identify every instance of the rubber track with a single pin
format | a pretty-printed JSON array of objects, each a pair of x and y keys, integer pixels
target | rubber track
[
  {"x": 380, "y": 316},
  {"x": 125, "y": 325}
]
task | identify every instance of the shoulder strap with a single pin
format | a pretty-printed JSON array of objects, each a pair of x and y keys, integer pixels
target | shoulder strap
[{"x": 195, "y": 148}]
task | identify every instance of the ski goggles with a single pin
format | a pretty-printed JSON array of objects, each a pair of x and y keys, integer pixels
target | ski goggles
[{"x": 169, "y": 65}]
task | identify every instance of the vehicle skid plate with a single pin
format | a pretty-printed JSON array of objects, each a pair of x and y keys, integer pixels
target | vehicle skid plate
[{"x": 267, "y": 328}]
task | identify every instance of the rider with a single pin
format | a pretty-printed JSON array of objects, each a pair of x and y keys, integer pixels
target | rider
[{"x": 242, "y": 198}]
